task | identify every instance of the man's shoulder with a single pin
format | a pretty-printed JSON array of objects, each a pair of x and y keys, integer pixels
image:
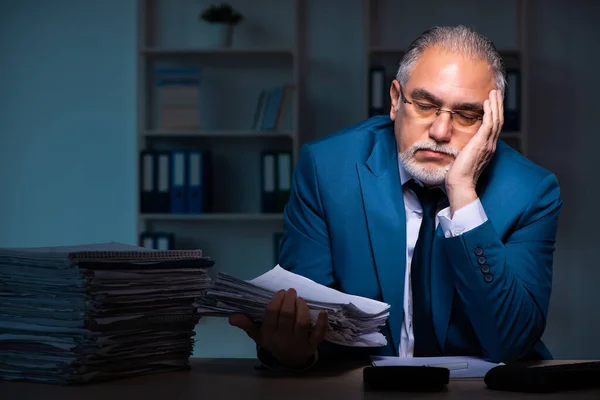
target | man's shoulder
[
  {"x": 511, "y": 172},
  {"x": 352, "y": 141}
]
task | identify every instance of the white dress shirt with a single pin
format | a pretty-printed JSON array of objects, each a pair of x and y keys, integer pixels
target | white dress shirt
[{"x": 465, "y": 219}]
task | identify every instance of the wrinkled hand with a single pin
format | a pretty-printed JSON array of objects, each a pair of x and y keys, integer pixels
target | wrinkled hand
[
  {"x": 286, "y": 330},
  {"x": 462, "y": 177}
]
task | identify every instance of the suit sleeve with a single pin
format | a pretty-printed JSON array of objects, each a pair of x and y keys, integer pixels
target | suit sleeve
[
  {"x": 305, "y": 247},
  {"x": 506, "y": 285}
]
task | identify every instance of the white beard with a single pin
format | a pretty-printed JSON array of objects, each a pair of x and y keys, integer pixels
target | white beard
[{"x": 430, "y": 175}]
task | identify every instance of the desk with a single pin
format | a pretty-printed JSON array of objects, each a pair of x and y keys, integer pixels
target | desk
[{"x": 241, "y": 379}]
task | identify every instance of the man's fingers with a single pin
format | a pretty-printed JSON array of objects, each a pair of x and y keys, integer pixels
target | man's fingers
[
  {"x": 303, "y": 323},
  {"x": 287, "y": 314},
  {"x": 494, "y": 111},
  {"x": 271, "y": 317},
  {"x": 318, "y": 334},
  {"x": 252, "y": 329},
  {"x": 486, "y": 125},
  {"x": 500, "y": 112}
]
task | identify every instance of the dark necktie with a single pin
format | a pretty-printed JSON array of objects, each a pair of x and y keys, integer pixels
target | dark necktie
[{"x": 426, "y": 344}]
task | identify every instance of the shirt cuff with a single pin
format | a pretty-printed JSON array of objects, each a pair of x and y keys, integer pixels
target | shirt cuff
[{"x": 465, "y": 219}]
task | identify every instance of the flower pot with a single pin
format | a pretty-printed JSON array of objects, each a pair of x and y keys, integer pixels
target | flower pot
[{"x": 222, "y": 35}]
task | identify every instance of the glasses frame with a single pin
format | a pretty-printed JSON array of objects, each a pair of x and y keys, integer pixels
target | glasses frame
[{"x": 438, "y": 109}]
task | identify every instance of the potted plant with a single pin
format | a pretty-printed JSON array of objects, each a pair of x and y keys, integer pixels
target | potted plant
[{"x": 223, "y": 17}]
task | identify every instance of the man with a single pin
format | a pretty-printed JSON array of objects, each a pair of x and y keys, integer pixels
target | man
[{"x": 426, "y": 210}]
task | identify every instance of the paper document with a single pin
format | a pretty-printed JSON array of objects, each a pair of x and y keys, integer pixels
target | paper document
[
  {"x": 74, "y": 314},
  {"x": 460, "y": 367},
  {"x": 353, "y": 320}
]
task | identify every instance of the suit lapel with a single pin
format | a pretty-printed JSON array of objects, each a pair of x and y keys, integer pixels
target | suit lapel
[
  {"x": 386, "y": 222},
  {"x": 442, "y": 288}
]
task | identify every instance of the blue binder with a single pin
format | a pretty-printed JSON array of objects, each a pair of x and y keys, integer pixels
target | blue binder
[
  {"x": 199, "y": 193},
  {"x": 147, "y": 240},
  {"x": 148, "y": 183},
  {"x": 268, "y": 182},
  {"x": 179, "y": 181},
  {"x": 163, "y": 182}
]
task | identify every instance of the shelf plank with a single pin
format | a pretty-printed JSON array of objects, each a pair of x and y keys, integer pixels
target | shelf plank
[
  {"x": 218, "y": 133},
  {"x": 213, "y": 217},
  {"x": 216, "y": 51}
]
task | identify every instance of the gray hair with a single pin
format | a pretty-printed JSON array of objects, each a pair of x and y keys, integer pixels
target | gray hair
[{"x": 456, "y": 39}]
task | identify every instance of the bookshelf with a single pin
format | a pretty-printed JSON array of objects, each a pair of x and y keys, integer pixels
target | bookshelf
[
  {"x": 234, "y": 231},
  {"x": 391, "y": 25}
]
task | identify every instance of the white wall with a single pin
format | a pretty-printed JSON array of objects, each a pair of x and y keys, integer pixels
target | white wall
[
  {"x": 565, "y": 137},
  {"x": 67, "y": 122}
]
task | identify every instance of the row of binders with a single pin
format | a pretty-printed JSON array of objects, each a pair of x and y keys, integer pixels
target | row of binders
[
  {"x": 157, "y": 240},
  {"x": 276, "y": 181},
  {"x": 176, "y": 181},
  {"x": 379, "y": 100},
  {"x": 181, "y": 181}
]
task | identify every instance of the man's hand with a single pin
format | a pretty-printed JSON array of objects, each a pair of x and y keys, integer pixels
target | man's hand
[
  {"x": 462, "y": 177},
  {"x": 286, "y": 330}
]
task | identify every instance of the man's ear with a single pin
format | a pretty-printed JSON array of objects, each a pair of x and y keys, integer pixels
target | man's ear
[{"x": 395, "y": 99}]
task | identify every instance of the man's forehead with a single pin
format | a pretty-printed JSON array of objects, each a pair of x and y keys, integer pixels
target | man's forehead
[{"x": 451, "y": 76}]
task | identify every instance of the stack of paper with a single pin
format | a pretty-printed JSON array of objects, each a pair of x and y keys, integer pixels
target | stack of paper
[
  {"x": 85, "y": 313},
  {"x": 459, "y": 367},
  {"x": 353, "y": 320}
]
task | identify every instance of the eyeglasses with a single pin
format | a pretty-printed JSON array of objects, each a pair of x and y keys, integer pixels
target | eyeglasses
[{"x": 461, "y": 120}]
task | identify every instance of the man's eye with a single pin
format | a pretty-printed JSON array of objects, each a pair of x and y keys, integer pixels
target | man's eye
[
  {"x": 424, "y": 106},
  {"x": 469, "y": 117}
]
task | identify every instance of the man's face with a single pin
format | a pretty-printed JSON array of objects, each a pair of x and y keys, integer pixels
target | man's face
[{"x": 428, "y": 144}]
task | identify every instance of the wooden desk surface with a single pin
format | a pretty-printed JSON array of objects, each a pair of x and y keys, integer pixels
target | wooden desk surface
[{"x": 241, "y": 379}]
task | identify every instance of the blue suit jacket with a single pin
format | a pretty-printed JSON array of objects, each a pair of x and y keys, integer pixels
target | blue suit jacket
[{"x": 345, "y": 228}]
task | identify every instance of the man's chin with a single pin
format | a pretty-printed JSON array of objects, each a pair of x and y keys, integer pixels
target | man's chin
[{"x": 433, "y": 167}]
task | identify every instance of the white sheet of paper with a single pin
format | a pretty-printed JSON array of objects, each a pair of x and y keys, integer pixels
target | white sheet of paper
[
  {"x": 460, "y": 367},
  {"x": 279, "y": 278}
]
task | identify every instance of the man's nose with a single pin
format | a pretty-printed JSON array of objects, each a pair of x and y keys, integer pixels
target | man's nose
[{"x": 441, "y": 128}]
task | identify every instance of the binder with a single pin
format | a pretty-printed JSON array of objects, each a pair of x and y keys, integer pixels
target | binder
[
  {"x": 179, "y": 182},
  {"x": 268, "y": 182},
  {"x": 147, "y": 182},
  {"x": 284, "y": 179},
  {"x": 163, "y": 241},
  {"x": 512, "y": 101},
  {"x": 163, "y": 182},
  {"x": 157, "y": 240},
  {"x": 377, "y": 90},
  {"x": 147, "y": 240},
  {"x": 199, "y": 195}
]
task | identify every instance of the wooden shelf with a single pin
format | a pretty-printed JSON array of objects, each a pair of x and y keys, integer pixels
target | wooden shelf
[
  {"x": 220, "y": 217},
  {"x": 218, "y": 133}
]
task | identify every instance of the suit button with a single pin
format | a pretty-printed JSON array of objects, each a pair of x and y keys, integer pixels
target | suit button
[
  {"x": 485, "y": 269},
  {"x": 488, "y": 278},
  {"x": 481, "y": 260},
  {"x": 478, "y": 251}
]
